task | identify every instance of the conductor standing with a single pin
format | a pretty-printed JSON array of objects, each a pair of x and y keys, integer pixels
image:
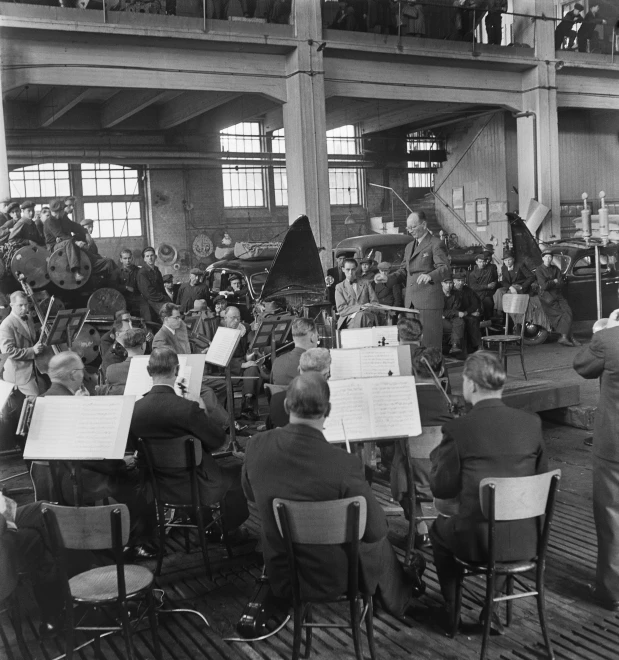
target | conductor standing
[{"x": 424, "y": 267}]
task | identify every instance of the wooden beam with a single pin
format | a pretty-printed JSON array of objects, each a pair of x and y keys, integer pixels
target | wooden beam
[
  {"x": 126, "y": 104},
  {"x": 190, "y": 105},
  {"x": 58, "y": 102}
]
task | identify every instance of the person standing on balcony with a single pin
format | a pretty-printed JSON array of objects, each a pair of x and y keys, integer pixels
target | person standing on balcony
[
  {"x": 494, "y": 21},
  {"x": 566, "y": 27},
  {"x": 587, "y": 34}
]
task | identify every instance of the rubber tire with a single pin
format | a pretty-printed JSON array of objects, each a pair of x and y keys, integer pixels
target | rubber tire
[{"x": 539, "y": 338}]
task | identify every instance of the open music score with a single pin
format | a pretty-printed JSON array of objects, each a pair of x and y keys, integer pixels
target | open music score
[
  {"x": 372, "y": 408},
  {"x": 191, "y": 368},
  {"x": 365, "y": 337},
  {"x": 222, "y": 346},
  {"x": 364, "y": 362},
  {"x": 77, "y": 428}
]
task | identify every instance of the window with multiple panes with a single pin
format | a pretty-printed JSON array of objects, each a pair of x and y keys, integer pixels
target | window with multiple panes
[
  {"x": 344, "y": 182},
  {"x": 243, "y": 184},
  {"x": 110, "y": 195},
  {"x": 423, "y": 141}
]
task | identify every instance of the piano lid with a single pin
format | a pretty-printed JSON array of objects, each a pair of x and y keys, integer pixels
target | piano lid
[
  {"x": 526, "y": 249},
  {"x": 297, "y": 262}
]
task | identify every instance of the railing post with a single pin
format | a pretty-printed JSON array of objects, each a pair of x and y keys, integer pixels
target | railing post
[{"x": 105, "y": 11}]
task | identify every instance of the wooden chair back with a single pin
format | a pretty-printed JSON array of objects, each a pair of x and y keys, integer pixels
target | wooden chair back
[
  {"x": 517, "y": 498},
  {"x": 515, "y": 308},
  {"x": 321, "y": 523},
  {"x": 172, "y": 453},
  {"x": 271, "y": 389},
  {"x": 88, "y": 527},
  {"x": 421, "y": 446}
]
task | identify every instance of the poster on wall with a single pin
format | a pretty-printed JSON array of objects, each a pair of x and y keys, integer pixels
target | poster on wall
[
  {"x": 457, "y": 197},
  {"x": 469, "y": 213},
  {"x": 481, "y": 209}
]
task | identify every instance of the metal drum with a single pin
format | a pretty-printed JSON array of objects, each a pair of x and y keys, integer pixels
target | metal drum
[
  {"x": 106, "y": 302},
  {"x": 43, "y": 298},
  {"x": 32, "y": 263},
  {"x": 60, "y": 273},
  {"x": 87, "y": 344}
]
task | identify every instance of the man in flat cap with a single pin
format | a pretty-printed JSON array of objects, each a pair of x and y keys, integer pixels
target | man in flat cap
[
  {"x": 513, "y": 279},
  {"x": 566, "y": 27},
  {"x": 191, "y": 291},
  {"x": 484, "y": 280},
  {"x": 367, "y": 270},
  {"x": 236, "y": 292},
  {"x": 61, "y": 232},
  {"x": 25, "y": 231},
  {"x": 555, "y": 306}
]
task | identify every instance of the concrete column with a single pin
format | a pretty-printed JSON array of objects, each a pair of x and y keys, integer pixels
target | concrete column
[
  {"x": 538, "y": 147},
  {"x": 307, "y": 166},
  {"x": 4, "y": 161}
]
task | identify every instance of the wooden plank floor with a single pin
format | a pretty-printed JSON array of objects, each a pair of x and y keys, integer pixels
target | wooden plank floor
[{"x": 579, "y": 629}]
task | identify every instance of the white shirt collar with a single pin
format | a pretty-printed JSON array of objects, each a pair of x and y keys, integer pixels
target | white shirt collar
[{"x": 169, "y": 329}]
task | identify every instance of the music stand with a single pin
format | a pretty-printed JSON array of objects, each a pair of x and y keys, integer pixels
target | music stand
[
  {"x": 272, "y": 331},
  {"x": 65, "y": 327},
  {"x": 197, "y": 335}
]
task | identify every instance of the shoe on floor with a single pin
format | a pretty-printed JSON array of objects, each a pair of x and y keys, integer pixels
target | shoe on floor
[
  {"x": 603, "y": 601},
  {"x": 564, "y": 342},
  {"x": 575, "y": 341},
  {"x": 454, "y": 350}
]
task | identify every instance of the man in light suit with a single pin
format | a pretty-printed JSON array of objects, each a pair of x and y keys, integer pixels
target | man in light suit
[
  {"x": 18, "y": 341},
  {"x": 424, "y": 267},
  {"x": 173, "y": 333},
  {"x": 600, "y": 359},
  {"x": 350, "y": 297}
]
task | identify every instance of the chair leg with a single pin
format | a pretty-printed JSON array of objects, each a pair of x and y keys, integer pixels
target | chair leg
[
  {"x": 162, "y": 539},
  {"x": 15, "y": 617},
  {"x": 410, "y": 535},
  {"x": 524, "y": 371},
  {"x": 186, "y": 535},
  {"x": 541, "y": 609},
  {"x": 152, "y": 619},
  {"x": 488, "y": 610},
  {"x": 369, "y": 625},
  {"x": 126, "y": 624},
  {"x": 309, "y": 631},
  {"x": 510, "y": 603},
  {"x": 69, "y": 631},
  {"x": 97, "y": 645},
  {"x": 457, "y": 605},
  {"x": 202, "y": 538},
  {"x": 224, "y": 529},
  {"x": 298, "y": 630},
  {"x": 355, "y": 618}
]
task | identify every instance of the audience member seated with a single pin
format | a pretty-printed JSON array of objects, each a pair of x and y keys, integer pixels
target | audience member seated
[
  {"x": 150, "y": 285},
  {"x": 484, "y": 280},
  {"x": 102, "y": 266},
  {"x": 133, "y": 341},
  {"x": 220, "y": 304},
  {"x": 297, "y": 463},
  {"x": 434, "y": 411},
  {"x": 170, "y": 287},
  {"x": 235, "y": 293},
  {"x": 453, "y": 317},
  {"x": 368, "y": 271},
  {"x": 492, "y": 440},
  {"x": 162, "y": 414},
  {"x": 350, "y": 297},
  {"x": 314, "y": 359},
  {"x": 191, "y": 291},
  {"x": 512, "y": 279},
  {"x": 470, "y": 304},
  {"x": 286, "y": 367},
  {"x": 61, "y": 232},
  {"x": 118, "y": 479},
  {"x": 25, "y": 231},
  {"x": 173, "y": 333}
]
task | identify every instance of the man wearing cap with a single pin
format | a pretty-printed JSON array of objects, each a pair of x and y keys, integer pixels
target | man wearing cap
[
  {"x": 514, "y": 279},
  {"x": 128, "y": 284},
  {"x": 236, "y": 292},
  {"x": 387, "y": 289},
  {"x": 566, "y": 26},
  {"x": 25, "y": 230},
  {"x": 470, "y": 304},
  {"x": 367, "y": 270},
  {"x": 484, "y": 279},
  {"x": 151, "y": 286},
  {"x": 101, "y": 265},
  {"x": 191, "y": 291},
  {"x": 4, "y": 214},
  {"x": 424, "y": 267},
  {"x": 555, "y": 306},
  {"x": 12, "y": 214},
  {"x": 453, "y": 317},
  {"x": 219, "y": 305},
  {"x": 61, "y": 232}
]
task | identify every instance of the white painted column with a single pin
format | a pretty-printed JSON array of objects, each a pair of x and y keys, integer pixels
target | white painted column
[
  {"x": 4, "y": 160},
  {"x": 307, "y": 166}
]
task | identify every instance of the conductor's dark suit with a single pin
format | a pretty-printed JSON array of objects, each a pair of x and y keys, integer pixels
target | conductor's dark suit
[
  {"x": 429, "y": 257},
  {"x": 162, "y": 414},
  {"x": 493, "y": 440},
  {"x": 600, "y": 359},
  {"x": 297, "y": 463}
]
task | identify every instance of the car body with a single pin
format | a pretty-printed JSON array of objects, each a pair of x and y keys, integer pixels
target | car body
[{"x": 380, "y": 247}]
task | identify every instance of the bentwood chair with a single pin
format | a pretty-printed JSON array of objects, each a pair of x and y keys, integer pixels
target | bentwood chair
[
  {"x": 417, "y": 447},
  {"x": 183, "y": 454},
  {"x": 108, "y": 589},
  {"x": 334, "y": 522},
  {"x": 504, "y": 499},
  {"x": 515, "y": 308}
]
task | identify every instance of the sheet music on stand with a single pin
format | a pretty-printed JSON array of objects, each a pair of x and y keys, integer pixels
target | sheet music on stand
[
  {"x": 191, "y": 368},
  {"x": 5, "y": 393},
  {"x": 77, "y": 428},
  {"x": 372, "y": 408},
  {"x": 223, "y": 346},
  {"x": 366, "y": 337},
  {"x": 364, "y": 362}
]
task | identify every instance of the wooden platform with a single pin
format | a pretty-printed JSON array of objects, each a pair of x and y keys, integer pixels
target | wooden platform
[
  {"x": 580, "y": 630},
  {"x": 536, "y": 395}
]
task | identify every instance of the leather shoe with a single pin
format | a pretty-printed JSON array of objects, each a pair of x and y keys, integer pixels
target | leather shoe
[
  {"x": 454, "y": 350},
  {"x": 564, "y": 342},
  {"x": 575, "y": 341},
  {"x": 142, "y": 552},
  {"x": 414, "y": 574},
  {"x": 49, "y": 628},
  {"x": 611, "y": 605},
  {"x": 421, "y": 541},
  {"x": 250, "y": 414}
]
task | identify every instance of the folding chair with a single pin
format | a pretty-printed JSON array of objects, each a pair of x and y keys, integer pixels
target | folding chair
[{"x": 503, "y": 499}]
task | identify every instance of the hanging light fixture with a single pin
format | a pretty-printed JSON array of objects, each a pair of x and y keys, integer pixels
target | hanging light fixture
[{"x": 350, "y": 218}]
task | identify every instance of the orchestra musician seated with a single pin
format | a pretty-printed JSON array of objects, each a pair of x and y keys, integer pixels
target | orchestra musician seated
[
  {"x": 286, "y": 367},
  {"x": 162, "y": 414},
  {"x": 133, "y": 340},
  {"x": 492, "y": 440},
  {"x": 297, "y": 463},
  {"x": 351, "y": 297},
  {"x": 173, "y": 333}
]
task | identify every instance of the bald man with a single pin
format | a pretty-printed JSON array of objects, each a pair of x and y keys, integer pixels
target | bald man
[{"x": 18, "y": 341}]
